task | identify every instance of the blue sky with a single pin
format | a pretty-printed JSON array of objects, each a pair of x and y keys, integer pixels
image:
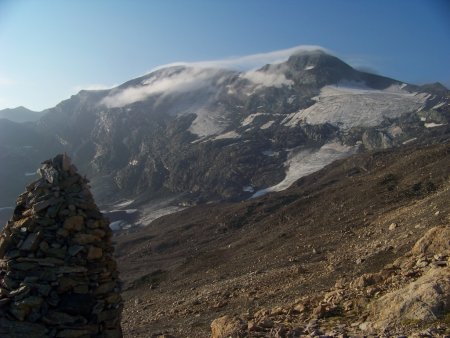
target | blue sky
[{"x": 50, "y": 49}]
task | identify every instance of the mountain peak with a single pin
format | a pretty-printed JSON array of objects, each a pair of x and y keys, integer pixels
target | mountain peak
[{"x": 307, "y": 60}]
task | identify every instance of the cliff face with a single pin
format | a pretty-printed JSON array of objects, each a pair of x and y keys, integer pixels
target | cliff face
[{"x": 58, "y": 277}]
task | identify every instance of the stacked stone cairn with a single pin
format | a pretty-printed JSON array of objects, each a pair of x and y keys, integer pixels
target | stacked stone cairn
[{"x": 58, "y": 277}]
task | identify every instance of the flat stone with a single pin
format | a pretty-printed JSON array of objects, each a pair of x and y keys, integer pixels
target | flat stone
[
  {"x": 66, "y": 284},
  {"x": 4, "y": 302},
  {"x": 23, "y": 222},
  {"x": 40, "y": 206},
  {"x": 23, "y": 290},
  {"x": 10, "y": 283},
  {"x": 57, "y": 252},
  {"x": 43, "y": 246},
  {"x": 108, "y": 315},
  {"x": 11, "y": 254},
  {"x": 73, "y": 333},
  {"x": 77, "y": 304},
  {"x": 32, "y": 241},
  {"x": 46, "y": 261},
  {"x": 94, "y": 253},
  {"x": 58, "y": 318},
  {"x": 22, "y": 308},
  {"x": 4, "y": 243},
  {"x": 105, "y": 288},
  {"x": 72, "y": 269},
  {"x": 113, "y": 298},
  {"x": 66, "y": 162},
  {"x": 69, "y": 182},
  {"x": 75, "y": 249},
  {"x": 44, "y": 221},
  {"x": 63, "y": 233},
  {"x": 74, "y": 223},
  {"x": 43, "y": 289},
  {"x": 98, "y": 232},
  {"x": 392, "y": 226},
  {"x": 81, "y": 289},
  {"x": 83, "y": 239},
  {"x": 115, "y": 333},
  {"x": 9, "y": 328}
]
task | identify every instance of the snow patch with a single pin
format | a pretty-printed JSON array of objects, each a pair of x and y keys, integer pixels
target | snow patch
[
  {"x": 249, "y": 119},
  {"x": 439, "y": 105},
  {"x": 117, "y": 225},
  {"x": 228, "y": 135},
  {"x": 309, "y": 67},
  {"x": 62, "y": 141},
  {"x": 410, "y": 140},
  {"x": 208, "y": 123},
  {"x": 267, "y": 125},
  {"x": 291, "y": 99},
  {"x": 133, "y": 162},
  {"x": 150, "y": 216},
  {"x": 123, "y": 204},
  {"x": 306, "y": 162},
  {"x": 270, "y": 153},
  {"x": 433, "y": 125},
  {"x": 248, "y": 188},
  {"x": 351, "y": 104}
]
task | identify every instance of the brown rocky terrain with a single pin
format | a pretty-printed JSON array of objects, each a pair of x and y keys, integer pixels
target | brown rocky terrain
[{"x": 358, "y": 248}]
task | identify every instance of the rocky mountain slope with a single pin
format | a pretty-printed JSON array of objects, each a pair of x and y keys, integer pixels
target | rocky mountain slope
[
  {"x": 20, "y": 114},
  {"x": 195, "y": 134},
  {"x": 360, "y": 247}
]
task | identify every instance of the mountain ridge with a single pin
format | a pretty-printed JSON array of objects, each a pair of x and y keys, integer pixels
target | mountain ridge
[{"x": 203, "y": 134}]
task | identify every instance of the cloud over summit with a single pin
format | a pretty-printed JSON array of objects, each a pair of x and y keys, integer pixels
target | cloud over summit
[{"x": 187, "y": 76}]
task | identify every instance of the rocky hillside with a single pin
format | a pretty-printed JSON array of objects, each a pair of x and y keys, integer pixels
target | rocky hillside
[
  {"x": 360, "y": 247},
  {"x": 20, "y": 114},
  {"x": 199, "y": 134}
]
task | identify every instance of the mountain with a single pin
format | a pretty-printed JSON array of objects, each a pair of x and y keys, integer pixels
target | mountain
[
  {"x": 190, "y": 134},
  {"x": 359, "y": 248},
  {"x": 20, "y": 114}
]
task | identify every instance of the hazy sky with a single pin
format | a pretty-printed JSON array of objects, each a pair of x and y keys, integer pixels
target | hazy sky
[{"x": 50, "y": 49}]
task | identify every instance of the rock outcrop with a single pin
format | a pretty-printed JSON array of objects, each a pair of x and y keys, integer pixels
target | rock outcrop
[{"x": 58, "y": 277}]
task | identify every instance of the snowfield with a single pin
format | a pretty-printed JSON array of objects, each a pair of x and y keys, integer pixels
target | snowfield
[
  {"x": 208, "y": 123},
  {"x": 353, "y": 104},
  {"x": 306, "y": 162}
]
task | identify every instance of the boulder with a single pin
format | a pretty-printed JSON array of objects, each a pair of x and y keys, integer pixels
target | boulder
[
  {"x": 424, "y": 300},
  {"x": 227, "y": 326}
]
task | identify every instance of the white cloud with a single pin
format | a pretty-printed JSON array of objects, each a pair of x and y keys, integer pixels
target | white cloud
[
  {"x": 262, "y": 79},
  {"x": 201, "y": 74},
  {"x": 171, "y": 80},
  {"x": 94, "y": 86},
  {"x": 249, "y": 61}
]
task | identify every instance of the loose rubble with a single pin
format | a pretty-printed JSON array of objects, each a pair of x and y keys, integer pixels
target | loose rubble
[
  {"x": 58, "y": 277},
  {"x": 409, "y": 296}
]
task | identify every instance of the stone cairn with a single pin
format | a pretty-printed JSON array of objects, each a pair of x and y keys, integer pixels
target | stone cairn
[{"x": 58, "y": 277}]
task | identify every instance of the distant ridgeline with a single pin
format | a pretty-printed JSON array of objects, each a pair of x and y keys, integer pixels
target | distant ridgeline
[{"x": 58, "y": 277}]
